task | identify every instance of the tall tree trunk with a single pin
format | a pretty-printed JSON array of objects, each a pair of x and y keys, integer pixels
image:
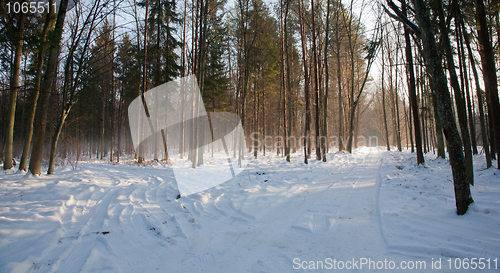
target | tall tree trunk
[
  {"x": 140, "y": 157},
  {"x": 201, "y": 72},
  {"x": 49, "y": 19},
  {"x": 339, "y": 77},
  {"x": 440, "y": 87},
  {"x": 183, "y": 58},
  {"x": 350, "y": 35},
  {"x": 383, "y": 104},
  {"x": 316, "y": 82},
  {"x": 398, "y": 124},
  {"x": 144, "y": 82},
  {"x": 69, "y": 88},
  {"x": 413, "y": 93},
  {"x": 480, "y": 99},
  {"x": 246, "y": 63},
  {"x": 14, "y": 87},
  {"x": 391, "y": 97},
  {"x": 459, "y": 100},
  {"x": 255, "y": 116},
  {"x": 489, "y": 73},
  {"x": 113, "y": 91},
  {"x": 282, "y": 100},
  {"x": 48, "y": 84},
  {"x": 340, "y": 104},
  {"x": 264, "y": 123},
  {"x": 324, "y": 134},
  {"x": 465, "y": 82},
  {"x": 288, "y": 93},
  {"x": 307, "y": 127}
]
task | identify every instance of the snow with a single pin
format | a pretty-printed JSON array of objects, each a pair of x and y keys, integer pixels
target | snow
[{"x": 274, "y": 216}]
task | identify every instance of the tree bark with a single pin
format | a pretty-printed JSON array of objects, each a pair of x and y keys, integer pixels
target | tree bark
[
  {"x": 14, "y": 86},
  {"x": 307, "y": 127},
  {"x": 383, "y": 104},
  {"x": 327, "y": 78},
  {"x": 489, "y": 73},
  {"x": 339, "y": 77},
  {"x": 316, "y": 82},
  {"x": 459, "y": 100},
  {"x": 282, "y": 100},
  {"x": 439, "y": 129},
  {"x": 50, "y": 17},
  {"x": 439, "y": 85},
  {"x": 288, "y": 86},
  {"x": 48, "y": 84},
  {"x": 465, "y": 82},
  {"x": 412, "y": 93},
  {"x": 480, "y": 99}
]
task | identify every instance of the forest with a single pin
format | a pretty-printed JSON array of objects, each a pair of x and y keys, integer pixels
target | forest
[{"x": 305, "y": 77}]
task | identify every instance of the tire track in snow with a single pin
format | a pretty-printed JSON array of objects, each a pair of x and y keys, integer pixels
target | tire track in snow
[
  {"x": 275, "y": 226},
  {"x": 71, "y": 259}
]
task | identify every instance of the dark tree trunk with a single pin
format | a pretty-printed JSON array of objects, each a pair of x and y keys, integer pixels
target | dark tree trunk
[
  {"x": 464, "y": 81},
  {"x": 307, "y": 127},
  {"x": 48, "y": 84},
  {"x": 50, "y": 17},
  {"x": 316, "y": 82},
  {"x": 383, "y": 105},
  {"x": 340, "y": 103},
  {"x": 413, "y": 94},
  {"x": 439, "y": 85},
  {"x": 327, "y": 74},
  {"x": 282, "y": 99},
  {"x": 489, "y": 74},
  {"x": 480, "y": 100},
  {"x": 14, "y": 86},
  {"x": 459, "y": 100}
]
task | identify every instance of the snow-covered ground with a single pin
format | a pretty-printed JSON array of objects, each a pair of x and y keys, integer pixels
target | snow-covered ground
[{"x": 373, "y": 209}]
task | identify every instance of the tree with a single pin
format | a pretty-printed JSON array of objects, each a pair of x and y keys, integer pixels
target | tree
[
  {"x": 439, "y": 86},
  {"x": 18, "y": 42},
  {"x": 307, "y": 128},
  {"x": 72, "y": 79},
  {"x": 489, "y": 73},
  {"x": 383, "y": 102},
  {"x": 459, "y": 100},
  {"x": 412, "y": 91},
  {"x": 48, "y": 83},
  {"x": 480, "y": 99},
  {"x": 49, "y": 20},
  {"x": 287, "y": 89},
  {"x": 338, "y": 41},
  {"x": 324, "y": 133},
  {"x": 371, "y": 49},
  {"x": 316, "y": 82},
  {"x": 216, "y": 82}
]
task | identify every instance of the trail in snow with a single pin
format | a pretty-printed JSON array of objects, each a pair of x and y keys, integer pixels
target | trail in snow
[{"x": 119, "y": 218}]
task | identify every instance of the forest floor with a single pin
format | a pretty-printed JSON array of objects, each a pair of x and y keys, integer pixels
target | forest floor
[{"x": 370, "y": 211}]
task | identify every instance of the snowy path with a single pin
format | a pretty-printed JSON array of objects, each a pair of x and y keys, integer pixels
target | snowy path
[{"x": 271, "y": 218}]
